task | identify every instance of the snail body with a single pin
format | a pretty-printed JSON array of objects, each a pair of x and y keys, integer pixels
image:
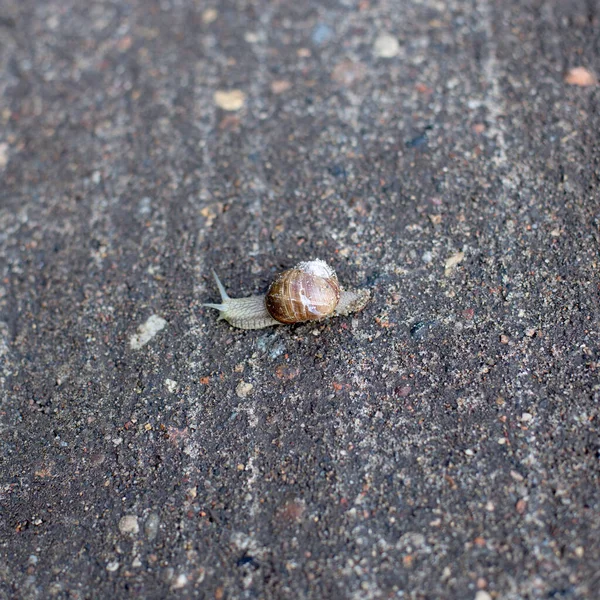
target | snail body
[{"x": 310, "y": 291}]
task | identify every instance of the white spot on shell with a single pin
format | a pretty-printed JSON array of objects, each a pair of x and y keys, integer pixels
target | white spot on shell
[{"x": 316, "y": 267}]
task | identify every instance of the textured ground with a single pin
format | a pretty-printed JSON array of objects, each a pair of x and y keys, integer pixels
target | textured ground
[{"x": 444, "y": 443}]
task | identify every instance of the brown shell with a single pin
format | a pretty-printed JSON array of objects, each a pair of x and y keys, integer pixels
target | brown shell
[{"x": 297, "y": 296}]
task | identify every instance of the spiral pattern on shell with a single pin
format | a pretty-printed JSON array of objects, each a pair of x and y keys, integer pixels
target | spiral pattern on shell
[{"x": 308, "y": 292}]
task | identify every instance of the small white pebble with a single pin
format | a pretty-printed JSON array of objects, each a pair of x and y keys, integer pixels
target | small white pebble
[
  {"x": 453, "y": 261},
  {"x": 180, "y": 582},
  {"x": 526, "y": 417},
  {"x": 3, "y": 155},
  {"x": 482, "y": 595},
  {"x": 146, "y": 331},
  {"x": 171, "y": 385},
  {"x": 112, "y": 566},
  {"x": 386, "y": 46},
  {"x": 129, "y": 524},
  {"x": 209, "y": 15},
  {"x": 251, "y": 37},
  {"x": 517, "y": 476},
  {"x": 151, "y": 526},
  {"x": 145, "y": 206},
  {"x": 243, "y": 389},
  {"x": 469, "y": 452}
]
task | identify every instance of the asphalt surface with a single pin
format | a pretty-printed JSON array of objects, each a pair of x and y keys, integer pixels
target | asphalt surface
[{"x": 443, "y": 443}]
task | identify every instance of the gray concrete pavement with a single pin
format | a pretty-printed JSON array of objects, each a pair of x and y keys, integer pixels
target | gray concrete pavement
[{"x": 443, "y": 443}]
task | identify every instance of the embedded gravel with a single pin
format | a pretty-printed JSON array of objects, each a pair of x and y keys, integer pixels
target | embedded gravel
[{"x": 443, "y": 443}]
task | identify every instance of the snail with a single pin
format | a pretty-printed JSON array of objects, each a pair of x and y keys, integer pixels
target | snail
[{"x": 310, "y": 291}]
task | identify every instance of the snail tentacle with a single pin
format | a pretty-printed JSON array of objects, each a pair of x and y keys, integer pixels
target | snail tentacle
[{"x": 224, "y": 296}]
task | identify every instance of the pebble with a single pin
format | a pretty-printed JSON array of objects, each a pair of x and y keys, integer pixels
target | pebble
[
  {"x": 482, "y": 595},
  {"x": 517, "y": 476},
  {"x": 171, "y": 385},
  {"x": 145, "y": 206},
  {"x": 293, "y": 510},
  {"x": 348, "y": 72},
  {"x": 251, "y": 37},
  {"x": 230, "y": 100},
  {"x": 209, "y": 16},
  {"x": 151, "y": 526},
  {"x": 180, "y": 582},
  {"x": 580, "y": 76},
  {"x": 420, "y": 329},
  {"x": 402, "y": 391},
  {"x": 243, "y": 389},
  {"x": 417, "y": 141},
  {"x": 3, "y": 155},
  {"x": 453, "y": 261},
  {"x": 129, "y": 524},
  {"x": 112, "y": 566},
  {"x": 386, "y": 46},
  {"x": 280, "y": 85},
  {"x": 147, "y": 331},
  {"x": 321, "y": 34}
]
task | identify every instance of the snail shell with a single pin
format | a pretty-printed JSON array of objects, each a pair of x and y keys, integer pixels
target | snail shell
[{"x": 308, "y": 292}]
